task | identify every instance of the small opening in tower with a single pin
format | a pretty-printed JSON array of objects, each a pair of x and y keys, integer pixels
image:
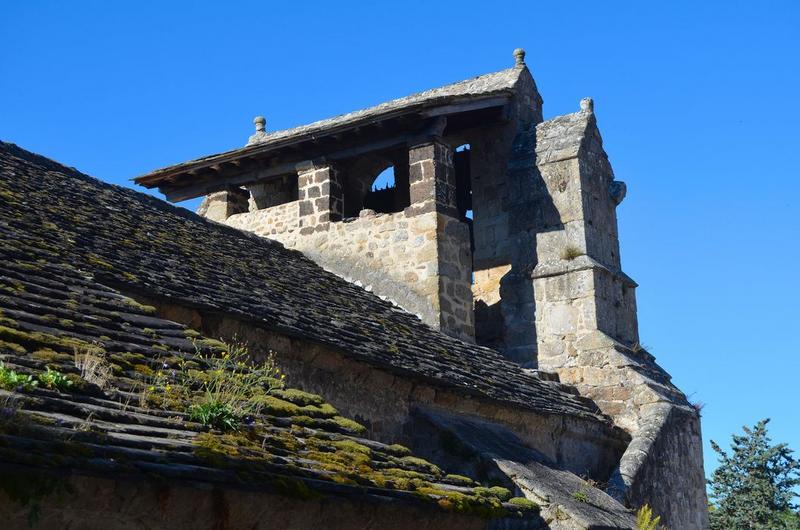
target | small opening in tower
[
  {"x": 463, "y": 181},
  {"x": 384, "y": 180},
  {"x": 386, "y": 195}
]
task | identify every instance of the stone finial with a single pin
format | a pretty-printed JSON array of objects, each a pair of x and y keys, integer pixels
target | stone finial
[
  {"x": 519, "y": 57},
  {"x": 261, "y": 124},
  {"x": 587, "y": 105}
]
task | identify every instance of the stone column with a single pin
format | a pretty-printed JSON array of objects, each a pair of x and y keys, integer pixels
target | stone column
[
  {"x": 432, "y": 178},
  {"x": 431, "y": 174},
  {"x": 320, "y": 196}
]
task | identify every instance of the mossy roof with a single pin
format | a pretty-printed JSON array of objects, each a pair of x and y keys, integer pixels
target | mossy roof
[
  {"x": 139, "y": 244},
  {"x": 128, "y": 425}
]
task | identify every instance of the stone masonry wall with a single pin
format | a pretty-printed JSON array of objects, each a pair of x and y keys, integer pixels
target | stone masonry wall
[
  {"x": 663, "y": 467},
  {"x": 386, "y": 402},
  {"x": 420, "y": 262},
  {"x": 505, "y": 209},
  {"x": 148, "y": 502},
  {"x": 281, "y": 219}
]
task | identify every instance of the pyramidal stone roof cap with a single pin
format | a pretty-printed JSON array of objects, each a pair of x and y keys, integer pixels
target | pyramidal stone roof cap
[
  {"x": 482, "y": 86},
  {"x": 141, "y": 244}
]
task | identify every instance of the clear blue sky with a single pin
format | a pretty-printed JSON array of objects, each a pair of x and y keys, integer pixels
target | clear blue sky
[{"x": 698, "y": 103}]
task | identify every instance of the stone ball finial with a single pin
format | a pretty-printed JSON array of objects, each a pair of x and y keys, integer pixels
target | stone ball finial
[
  {"x": 587, "y": 105},
  {"x": 260, "y": 123},
  {"x": 519, "y": 57}
]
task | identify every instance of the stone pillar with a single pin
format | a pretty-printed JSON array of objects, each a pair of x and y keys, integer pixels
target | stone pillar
[
  {"x": 431, "y": 174},
  {"x": 222, "y": 204},
  {"x": 320, "y": 197},
  {"x": 432, "y": 178}
]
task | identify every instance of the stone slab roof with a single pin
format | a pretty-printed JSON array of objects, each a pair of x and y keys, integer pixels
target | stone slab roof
[
  {"x": 129, "y": 423},
  {"x": 483, "y": 86},
  {"x": 53, "y": 214}
]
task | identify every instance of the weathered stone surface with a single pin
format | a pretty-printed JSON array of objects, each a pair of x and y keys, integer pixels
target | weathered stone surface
[
  {"x": 381, "y": 252},
  {"x": 568, "y": 502},
  {"x": 587, "y": 326},
  {"x": 101, "y": 503},
  {"x": 221, "y": 205}
]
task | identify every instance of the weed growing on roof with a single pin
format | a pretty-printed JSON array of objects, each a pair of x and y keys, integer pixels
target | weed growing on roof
[
  {"x": 223, "y": 392},
  {"x": 11, "y": 380},
  {"x": 581, "y": 496},
  {"x": 214, "y": 414},
  {"x": 94, "y": 368},
  {"x": 54, "y": 380}
]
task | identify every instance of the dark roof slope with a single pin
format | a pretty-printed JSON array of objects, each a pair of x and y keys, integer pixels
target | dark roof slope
[
  {"x": 132, "y": 420},
  {"x": 54, "y": 214}
]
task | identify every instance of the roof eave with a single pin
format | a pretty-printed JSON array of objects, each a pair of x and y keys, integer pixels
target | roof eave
[{"x": 430, "y": 108}]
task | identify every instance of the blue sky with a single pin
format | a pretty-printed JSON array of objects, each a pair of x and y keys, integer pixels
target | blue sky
[{"x": 697, "y": 102}]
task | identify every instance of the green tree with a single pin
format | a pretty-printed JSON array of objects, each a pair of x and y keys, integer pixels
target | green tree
[
  {"x": 791, "y": 520},
  {"x": 752, "y": 488}
]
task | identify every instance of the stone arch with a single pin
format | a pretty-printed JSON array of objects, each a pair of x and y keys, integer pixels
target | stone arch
[{"x": 362, "y": 175}]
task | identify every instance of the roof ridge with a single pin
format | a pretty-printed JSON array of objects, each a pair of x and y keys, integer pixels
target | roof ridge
[{"x": 387, "y": 103}]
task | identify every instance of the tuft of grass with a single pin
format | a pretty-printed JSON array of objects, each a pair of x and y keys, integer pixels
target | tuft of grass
[
  {"x": 580, "y": 496},
  {"x": 214, "y": 414},
  {"x": 570, "y": 252},
  {"x": 94, "y": 369},
  {"x": 219, "y": 389},
  {"x": 232, "y": 382}
]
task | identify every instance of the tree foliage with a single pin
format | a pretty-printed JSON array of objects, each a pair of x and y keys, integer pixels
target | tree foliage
[{"x": 752, "y": 489}]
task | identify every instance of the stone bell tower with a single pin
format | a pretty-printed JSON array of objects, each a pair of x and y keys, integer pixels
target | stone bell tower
[{"x": 500, "y": 229}]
